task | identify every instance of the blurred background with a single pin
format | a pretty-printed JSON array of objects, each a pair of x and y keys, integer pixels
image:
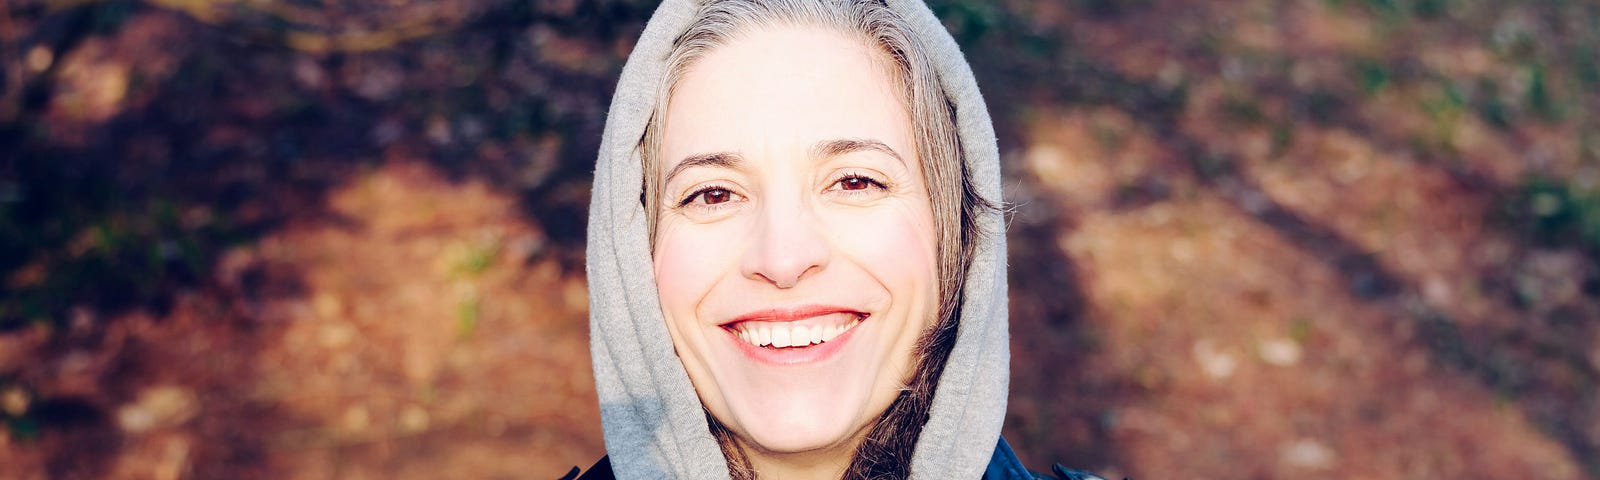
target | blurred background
[{"x": 1252, "y": 239}]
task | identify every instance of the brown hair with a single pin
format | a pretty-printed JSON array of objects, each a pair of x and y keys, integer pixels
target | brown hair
[{"x": 886, "y": 452}]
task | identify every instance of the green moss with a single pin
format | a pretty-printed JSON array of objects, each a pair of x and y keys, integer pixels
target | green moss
[
  {"x": 1556, "y": 212},
  {"x": 1538, "y": 97},
  {"x": 467, "y": 314},
  {"x": 1372, "y": 75}
]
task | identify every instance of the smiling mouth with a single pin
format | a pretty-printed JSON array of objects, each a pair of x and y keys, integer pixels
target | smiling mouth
[{"x": 776, "y": 335}]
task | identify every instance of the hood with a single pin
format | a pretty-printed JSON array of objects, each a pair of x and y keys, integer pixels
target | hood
[{"x": 653, "y": 421}]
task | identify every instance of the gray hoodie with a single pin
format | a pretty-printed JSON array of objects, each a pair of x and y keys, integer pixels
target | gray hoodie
[{"x": 654, "y": 424}]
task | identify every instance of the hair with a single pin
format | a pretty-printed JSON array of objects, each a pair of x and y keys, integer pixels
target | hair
[{"x": 887, "y": 449}]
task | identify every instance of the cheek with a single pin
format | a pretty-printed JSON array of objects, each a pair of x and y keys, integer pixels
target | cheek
[
  {"x": 897, "y": 246},
  {"x": 687, "y": 263}
]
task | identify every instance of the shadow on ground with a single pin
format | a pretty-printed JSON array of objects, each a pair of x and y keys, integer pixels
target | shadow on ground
[{"x": 1385, "y": 212}]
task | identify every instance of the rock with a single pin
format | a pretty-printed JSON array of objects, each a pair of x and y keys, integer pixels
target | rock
[
  {"x": 1214, "y": 363},
  {"x": 1281, "y": 352},
  {"x": 1307, "y": 454},
  {"x": 158, "y": 407}
]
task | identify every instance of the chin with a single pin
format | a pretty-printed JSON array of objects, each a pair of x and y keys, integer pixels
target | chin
[
  {"x": 822, "y": 401},
  {"x": 804, "y": 422}
]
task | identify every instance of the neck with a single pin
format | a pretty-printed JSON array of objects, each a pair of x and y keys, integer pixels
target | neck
[
  {"x": 826, "y": 463},
  {"x": 811, "y": 465}
]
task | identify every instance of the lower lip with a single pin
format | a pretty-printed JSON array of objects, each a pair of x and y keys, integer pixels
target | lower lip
[{"x": 794, "y": 356}]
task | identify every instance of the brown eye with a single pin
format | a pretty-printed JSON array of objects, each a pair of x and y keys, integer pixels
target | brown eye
[
  {"x": 715, "y": 196},
  {"x": 858, "y": 182},
  {"x": 710, "y": 197}
]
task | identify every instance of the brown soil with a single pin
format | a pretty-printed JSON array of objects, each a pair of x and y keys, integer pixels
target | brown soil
[{"x": 1271, "y": 239}]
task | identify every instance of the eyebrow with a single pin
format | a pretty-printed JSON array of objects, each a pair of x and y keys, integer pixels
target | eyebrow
[
  {"x": 833, "y": 148},
  {"x": 713, "y": 159},
  {"x": 823, "y": 149}
]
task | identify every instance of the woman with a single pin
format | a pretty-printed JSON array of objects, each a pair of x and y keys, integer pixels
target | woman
[{"x": 795, "y": 267}]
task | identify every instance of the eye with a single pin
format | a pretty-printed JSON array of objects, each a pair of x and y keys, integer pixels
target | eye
[
  {"x": 709, "y": 196},
  {"x": 715, "y": 196},
  {"x": 854, "y": 183},
  {"x": 858, "y": 182}
]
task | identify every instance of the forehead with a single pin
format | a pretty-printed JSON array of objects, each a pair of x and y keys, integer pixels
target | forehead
[{"x": 783, "y": 87}]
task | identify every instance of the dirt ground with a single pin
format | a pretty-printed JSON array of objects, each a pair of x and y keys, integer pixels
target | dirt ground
[{"x": 1266, "y": 239}]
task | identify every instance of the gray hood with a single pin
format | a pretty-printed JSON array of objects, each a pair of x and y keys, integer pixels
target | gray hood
[{"x": 654, "y": 424}]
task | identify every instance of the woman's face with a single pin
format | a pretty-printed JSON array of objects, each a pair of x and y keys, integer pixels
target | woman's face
[{"x": 795, "y": 248}]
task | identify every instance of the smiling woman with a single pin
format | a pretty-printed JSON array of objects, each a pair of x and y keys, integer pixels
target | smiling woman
[
  {"x": 814, "y": 239},
  {"x": 797, "y": 262}
]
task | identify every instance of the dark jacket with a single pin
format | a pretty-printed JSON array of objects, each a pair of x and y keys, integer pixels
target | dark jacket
[{"x": 1004, "y": 465}]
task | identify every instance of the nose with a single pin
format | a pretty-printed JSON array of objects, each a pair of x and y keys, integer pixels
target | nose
[{"x": 789, "y": 246}]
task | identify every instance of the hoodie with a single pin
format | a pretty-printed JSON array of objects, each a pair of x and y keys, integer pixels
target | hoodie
[{"x": 653, "y": 421}]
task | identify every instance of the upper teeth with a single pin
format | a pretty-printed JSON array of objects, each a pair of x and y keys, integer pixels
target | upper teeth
[{"x": 791, "y": 334}]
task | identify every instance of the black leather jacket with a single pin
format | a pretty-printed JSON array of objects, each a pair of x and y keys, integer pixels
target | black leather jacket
[{"x": 1004, "y": 465}]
